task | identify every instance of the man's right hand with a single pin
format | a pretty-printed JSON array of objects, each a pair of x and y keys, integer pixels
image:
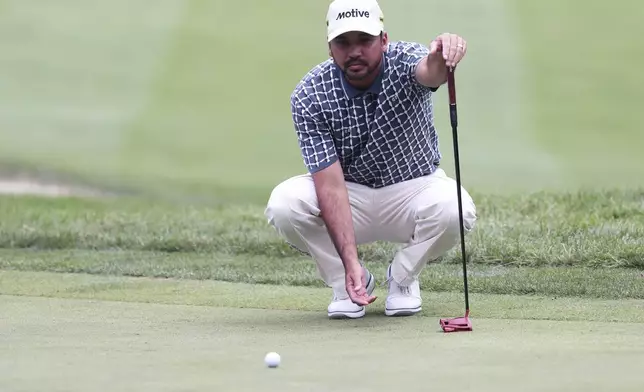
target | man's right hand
[{"x": 356, "y": 285}]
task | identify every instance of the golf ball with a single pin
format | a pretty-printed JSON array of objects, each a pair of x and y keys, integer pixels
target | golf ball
[{"x": 272, "y": 359}]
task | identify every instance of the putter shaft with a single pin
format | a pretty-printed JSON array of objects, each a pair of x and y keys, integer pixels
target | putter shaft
[{"x": 454, "y": 121}]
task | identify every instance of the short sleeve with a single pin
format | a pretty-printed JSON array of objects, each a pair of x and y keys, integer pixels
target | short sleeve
[
  {"x": 314, "y": 138},
  {"x": 409, "y": 56}
]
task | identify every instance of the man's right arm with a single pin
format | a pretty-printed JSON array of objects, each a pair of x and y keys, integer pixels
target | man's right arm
[
  {"x": 320, "y": 158},
  {"x": 333, "y": 201}
]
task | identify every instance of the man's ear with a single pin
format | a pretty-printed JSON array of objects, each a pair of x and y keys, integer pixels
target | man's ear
[{"x": 384, "y": 40}]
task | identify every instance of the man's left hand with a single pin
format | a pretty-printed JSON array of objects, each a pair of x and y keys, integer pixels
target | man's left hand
[{"x": 451, "y": 47}]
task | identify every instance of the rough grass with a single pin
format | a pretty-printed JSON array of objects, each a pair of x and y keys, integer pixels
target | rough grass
[
  {"x": 587, "y": 244},
  {"x": 590, "y": 229}
]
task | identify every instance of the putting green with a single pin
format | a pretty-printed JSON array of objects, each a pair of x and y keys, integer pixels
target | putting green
[{"x": 90, "y": 345}]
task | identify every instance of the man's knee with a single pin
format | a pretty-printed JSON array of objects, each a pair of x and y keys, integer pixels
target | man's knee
[
  {"x": 289, "y": 201},
  {"x": 445, "y": 215}
]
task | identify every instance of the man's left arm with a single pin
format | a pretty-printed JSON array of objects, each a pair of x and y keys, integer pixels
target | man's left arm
[{"x": 445, "y": 51}]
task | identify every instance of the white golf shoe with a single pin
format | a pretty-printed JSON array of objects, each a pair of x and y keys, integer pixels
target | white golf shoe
[
  {"x": 402, "y": 300},
  {"x": 341, "y": 306}
]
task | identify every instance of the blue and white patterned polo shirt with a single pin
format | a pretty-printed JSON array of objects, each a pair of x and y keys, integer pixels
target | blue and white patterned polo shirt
[{"x": 381, "y": 136}]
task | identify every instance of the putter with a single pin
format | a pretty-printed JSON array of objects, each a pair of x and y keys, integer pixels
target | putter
[{"x": 457, "y": 324}]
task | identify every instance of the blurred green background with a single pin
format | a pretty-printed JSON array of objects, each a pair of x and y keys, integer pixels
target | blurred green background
[
  {"x": 189, "y": 100},
  {"x": 192, "y": 97}
]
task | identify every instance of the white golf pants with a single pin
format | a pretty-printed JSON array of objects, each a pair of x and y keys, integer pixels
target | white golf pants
[{"x": 421, "y": 214}]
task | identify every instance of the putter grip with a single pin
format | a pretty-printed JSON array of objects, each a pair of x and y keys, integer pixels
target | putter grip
[
  {"x": 451, "y": 87},
  {"x": 452, "y": 97}
]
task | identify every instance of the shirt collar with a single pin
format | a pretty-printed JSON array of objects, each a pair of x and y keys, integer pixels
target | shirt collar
[{"x": 353, "y": 92}]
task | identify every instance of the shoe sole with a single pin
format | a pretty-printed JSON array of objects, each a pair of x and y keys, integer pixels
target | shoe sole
[
  {"x": 347, "y": 315},
  {"x": 371, "y": 285},
  {"x": 402, "y": 312}
]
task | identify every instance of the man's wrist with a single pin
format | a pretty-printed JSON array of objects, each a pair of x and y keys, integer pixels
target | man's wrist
[
  {"x": 436, "y": 66},
  {"x": 432, "y": 71},
  {"x": 350, "y": 262}
]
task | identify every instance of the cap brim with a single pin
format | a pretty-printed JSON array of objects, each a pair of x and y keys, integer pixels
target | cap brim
[{"x": 371, "y": 30}]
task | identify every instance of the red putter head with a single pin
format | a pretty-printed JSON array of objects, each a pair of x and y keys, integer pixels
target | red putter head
[{"x": 456, "y": 324}]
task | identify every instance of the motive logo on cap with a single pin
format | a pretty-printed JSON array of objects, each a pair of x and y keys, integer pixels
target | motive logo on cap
[{"x": 354, "y": 13}]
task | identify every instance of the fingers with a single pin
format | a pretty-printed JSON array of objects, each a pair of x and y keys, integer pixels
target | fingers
[
  {"x": 461, "y": 48},
  {"x": 435, "y": 46},
  {"x": 362, "y": 300},
  {"x": 357, "y": 292},
  {"x": 454, "y": 48},
  {"x": 361, "y": 297},
  {"x": 359, "y": 285}
]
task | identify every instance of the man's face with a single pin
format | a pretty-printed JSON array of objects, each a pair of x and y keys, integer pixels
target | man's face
[{"x": 358, "y": 54}]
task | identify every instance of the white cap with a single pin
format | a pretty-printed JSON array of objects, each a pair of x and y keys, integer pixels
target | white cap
[{"x": 354, "y": 15}]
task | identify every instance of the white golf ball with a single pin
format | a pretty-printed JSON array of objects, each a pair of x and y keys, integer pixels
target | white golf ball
[{"x": 272, "y": 359}]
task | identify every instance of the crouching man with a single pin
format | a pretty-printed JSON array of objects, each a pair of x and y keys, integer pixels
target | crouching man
[{"x": 364, "y": 124}]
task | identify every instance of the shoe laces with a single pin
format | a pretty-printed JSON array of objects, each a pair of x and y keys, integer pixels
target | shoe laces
[{"x": 406, "y": 290}]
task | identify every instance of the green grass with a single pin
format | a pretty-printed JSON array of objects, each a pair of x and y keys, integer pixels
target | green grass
[
  {"x": 298, "y": 271},
  {"x": 589, "y": 245},
  {"x": 584, "y": 229},
  {"x": 228, "y": 296},
  {"x": 134, "y": 347}
]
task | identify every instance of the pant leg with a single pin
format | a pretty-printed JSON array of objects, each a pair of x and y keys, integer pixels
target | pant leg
[
  {"x": 423, "y": 214},
  {"x": 294, "y": 212}
]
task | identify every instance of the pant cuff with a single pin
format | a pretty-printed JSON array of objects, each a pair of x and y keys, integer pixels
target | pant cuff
[{"x": 400, "y": 275}]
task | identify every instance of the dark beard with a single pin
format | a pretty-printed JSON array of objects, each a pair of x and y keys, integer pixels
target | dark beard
[{"x": 369, "y": 73}]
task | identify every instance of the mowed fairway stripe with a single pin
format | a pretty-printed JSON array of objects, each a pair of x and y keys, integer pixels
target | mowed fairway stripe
[
  {"x": 498, "y": 148},
  {"x": 72, "y": 76},
  {"x": 221, "y": 113}
]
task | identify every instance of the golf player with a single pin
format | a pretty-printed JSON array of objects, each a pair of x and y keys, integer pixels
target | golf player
[{"x": 365, "y": 127}]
